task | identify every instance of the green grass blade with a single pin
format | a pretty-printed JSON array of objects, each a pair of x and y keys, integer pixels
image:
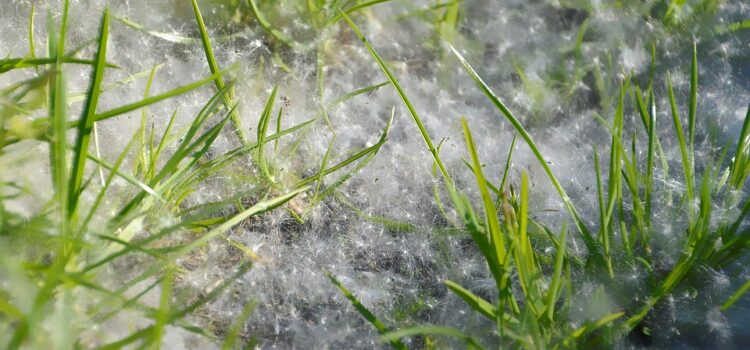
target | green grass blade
[
  {"x": 32, "y": 49},
  {"x": 237, "y": 324},
  {"x": 553, "y": 292},
  {"x": 129, "y": 178},
  {"x": 181, "y": 313},
  {"x": 85, "y": 124},
  {"x": 404, "y": 98},
  {"x": 115, "y": 169},
  {"x": 508, "y": 161},
  {"x": 741, "y": 163},
  {"x": 266, "y": 25},
  {"x": 257, "y": 209},
  {"x": 479, "y": 305},
  {"x": 496, "y": 236},
  {"x": 736, "y": 296},
  {"x": 687, "y": 166},
  {"x": 366, "y": 313},
  {"x": 348, "y": 96},
  {"x": 357, "y": 168},
  {"x": 8, "y": 64},
  {"x": 214, "y": 67},
  {"x": 693, "y": 98},
  {"x": 263, "y": 123},
  {"x": 154, "y": 99}
]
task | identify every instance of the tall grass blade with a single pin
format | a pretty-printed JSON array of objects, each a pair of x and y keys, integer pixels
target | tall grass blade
[
  {"x": 214, "y": 67},
  {"x": 366, "y": 313},
  {"x": 412, "y": 111},
  {"x": 85, "y": 124}
]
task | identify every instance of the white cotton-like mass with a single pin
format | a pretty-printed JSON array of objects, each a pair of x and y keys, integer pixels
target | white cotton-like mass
[{"x": 523, "y": 50}]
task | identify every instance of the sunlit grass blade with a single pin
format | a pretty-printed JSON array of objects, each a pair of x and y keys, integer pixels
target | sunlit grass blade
[
  {"x": 553, "y": 293},
  {"x": 263, "y": 123},
  {"x": 741, "y": 162},
  {"x": 594, "y": 325},
  {"x": 497, "y": 241},
  {"x": 360, "y": 165},
  {"x": 687, "y": 165},
  {"x": 348, "y": 96},
  {"x": 86, "y": 122},
  {"x": 483, "y": 307},
  {"x": 127, "y": 177},
  {"x": 214, "y": 67},
  {"x": 365, "y": 312},
  {"x": 154, "y": 99},
  {"x": 8, "y": 64},
  {"x": 114, "y": 169},
  {"x": 412, "y": 111}
]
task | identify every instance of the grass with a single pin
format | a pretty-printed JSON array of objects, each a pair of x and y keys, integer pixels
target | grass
[
  {"x": 59, "y": 259},
  {"x": 78, "y": 241},
  {"x": 525, "y": 316}
]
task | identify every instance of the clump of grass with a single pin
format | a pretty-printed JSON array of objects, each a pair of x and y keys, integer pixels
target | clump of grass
[
  {"x": 59, "y": 259},
  {"x": 530, "y": 313}
]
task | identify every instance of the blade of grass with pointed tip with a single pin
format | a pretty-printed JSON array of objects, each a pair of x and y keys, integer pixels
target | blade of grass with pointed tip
[
  {"x": 497, "y": 241},
  {"x": 8, "y": 64},
  {"x": 693, "y": 99},
  {"x": 32, "y": 49},
  {"x": 741, "y": 162},
  {"x": 484, "y": 307},
  {"x": 687, "y": 166},
  {"x": 214, "y": 67},
  {"x": 348, "y": 96},
  {"x": 553, "y": 293},
  {"x": 85, "y": 124},
  {"x": 404, "y": 98},
  {"x": 154, "y": 99},
  {"x": 366, "y": 313},
  {"x": 263, "y": 122}
]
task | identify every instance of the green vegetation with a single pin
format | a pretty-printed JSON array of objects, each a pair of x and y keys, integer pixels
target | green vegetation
[{"x": 57, "y": 265}]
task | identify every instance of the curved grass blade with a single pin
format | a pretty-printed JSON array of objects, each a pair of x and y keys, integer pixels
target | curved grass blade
[
  {"x": 263, "y": 123},
  {"x": 404, "y": 98},
  {"x": 366, "y": 313},
  {"x": 8, "y": 64},
  {"x": 154, "y": 99}
]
